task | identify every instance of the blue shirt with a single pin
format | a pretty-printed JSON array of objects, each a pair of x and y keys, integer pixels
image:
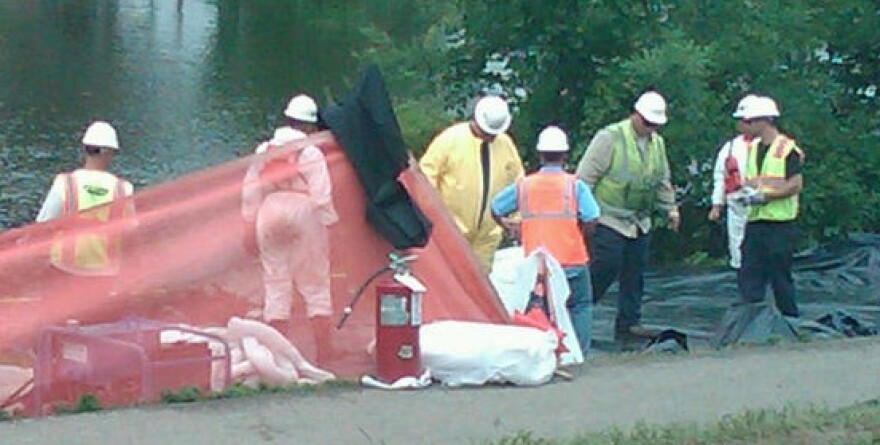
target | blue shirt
[{"x": 507, "y": 200}]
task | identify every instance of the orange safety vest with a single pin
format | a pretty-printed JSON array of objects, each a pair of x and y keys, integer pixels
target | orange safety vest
[
  {"x": 549, "y": 208},
  {"x": 90, "y": 243}
]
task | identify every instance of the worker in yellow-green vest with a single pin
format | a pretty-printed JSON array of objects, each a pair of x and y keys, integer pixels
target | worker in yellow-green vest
[
  {"x": 90, "y": 243},
  {"x": 626, "y": 166},
  {"x": 469, "y": 163},
  {"x": 772, "y": 183}
]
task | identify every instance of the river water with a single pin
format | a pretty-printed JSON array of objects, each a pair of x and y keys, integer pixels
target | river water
[{"x": 187, "y": 83}]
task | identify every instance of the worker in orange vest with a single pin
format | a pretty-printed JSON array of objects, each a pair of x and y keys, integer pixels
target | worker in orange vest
[
  {"x": 96, "y": 197},
  {"x": 555, "y": 208},
  {"x": 95, "y": 213}
]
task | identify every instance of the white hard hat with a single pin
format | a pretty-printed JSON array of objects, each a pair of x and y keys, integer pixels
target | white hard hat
[
  {"x": 302, "y": 108},
  {"x": 761, "y": 106},
  {"x": 552, "y": 140},
  {"x": 492, "y": 115},
  {"x": 283, "y": 135},
  {"x": 652, "y": 107},
  {"x": 101, "y": 134},
  {"x": 744, "y": 104}
]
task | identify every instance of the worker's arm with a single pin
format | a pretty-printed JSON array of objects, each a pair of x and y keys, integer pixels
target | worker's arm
[
  {"x": 252, "y": 190},
  {"x": 666, "y": 196},
  {"x": 794, "y": 180},
  {"x": 314, "y": 169},
  {"x": 588, "y": 208},
  {"x": 131, "y": 221},
  {"x": 433, "y": 162},
  {"x": 597, "y": 159},
  {"x": 718, "y": 181},
  {"x": 503, "y": 204},
  {"x": 790, "y": 187},
  {"x": 52, "y": 205}
]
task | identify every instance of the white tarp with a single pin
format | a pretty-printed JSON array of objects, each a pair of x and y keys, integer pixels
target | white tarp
[
  {"x": 514, "y": 276},
  {"x": 467, "y": 353}
]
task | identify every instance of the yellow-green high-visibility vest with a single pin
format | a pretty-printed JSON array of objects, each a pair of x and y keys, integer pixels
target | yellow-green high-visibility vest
[
  {"x": 771, "y": 176},
  {"x": 629, "y": 189},
  {"x": 90, "y": 242}
]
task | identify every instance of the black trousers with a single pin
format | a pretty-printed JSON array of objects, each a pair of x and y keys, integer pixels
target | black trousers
[
  {"x": 614, "y": 257},
  {"x": 767, "y": 256}
]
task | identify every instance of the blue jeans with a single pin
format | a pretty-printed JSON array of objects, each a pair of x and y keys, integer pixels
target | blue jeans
[{"x": 580, "y": 304}]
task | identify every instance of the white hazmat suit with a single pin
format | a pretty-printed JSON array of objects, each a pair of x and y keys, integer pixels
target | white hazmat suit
[{"x": 734, "y": 153}]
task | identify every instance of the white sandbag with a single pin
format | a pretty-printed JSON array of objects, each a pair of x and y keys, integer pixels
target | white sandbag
[
  {"x": 467, "y": 353},
  {"x": 514, "y": 276},
  {"x": 281, "y": 348}
]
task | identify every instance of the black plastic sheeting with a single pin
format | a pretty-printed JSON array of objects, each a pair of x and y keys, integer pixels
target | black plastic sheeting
[{"x": 837, "y": 283}]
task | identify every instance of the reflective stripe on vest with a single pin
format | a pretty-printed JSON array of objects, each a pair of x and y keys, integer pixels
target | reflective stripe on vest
[
  {"x": 90, "y": 243},
  {"x": 771, "y": 176},
  {"x": 549, "y": 208},
  {"x": 629, "y": 189}
]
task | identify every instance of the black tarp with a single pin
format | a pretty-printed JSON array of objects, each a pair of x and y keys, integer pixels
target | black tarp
[
  {"x": 364, "y": 123},
  {"x": 839, "y": 277}
]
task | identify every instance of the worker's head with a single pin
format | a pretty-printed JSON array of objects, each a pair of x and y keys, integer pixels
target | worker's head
[
  {"x": 302, "y": 114},
  {"x": 552, "y": 145},
  {"x": 742, "y": 108},
  {"x": 99, "y": 144},
  {"x": 759, "y": 115},
  {"x": 649, "y": 113},
  {"x": 491, "y": 117}
]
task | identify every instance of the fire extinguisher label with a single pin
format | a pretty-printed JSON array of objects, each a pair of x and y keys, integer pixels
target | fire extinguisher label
[
  {"x": 76, "y": 352},
  {"x": 416, "y": 309},
  {"x": 392, "y": 310}
]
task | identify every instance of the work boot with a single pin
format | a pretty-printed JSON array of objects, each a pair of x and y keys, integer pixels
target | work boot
[{"x": 322, "y": 328}]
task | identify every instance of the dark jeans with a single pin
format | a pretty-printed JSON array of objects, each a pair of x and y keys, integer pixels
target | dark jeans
[
  {"x": 616, "y": 257},
  {"x": 767, "y": 255}
]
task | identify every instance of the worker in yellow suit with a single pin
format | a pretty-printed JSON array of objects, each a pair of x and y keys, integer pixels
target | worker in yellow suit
[{"x": 469, "y": 163}]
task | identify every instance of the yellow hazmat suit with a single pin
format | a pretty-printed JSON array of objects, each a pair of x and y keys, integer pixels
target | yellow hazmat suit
[{"x": 453, "y": 165}]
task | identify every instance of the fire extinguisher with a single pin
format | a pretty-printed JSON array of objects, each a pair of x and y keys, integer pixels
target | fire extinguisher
[{"x": 398, "y": 319}]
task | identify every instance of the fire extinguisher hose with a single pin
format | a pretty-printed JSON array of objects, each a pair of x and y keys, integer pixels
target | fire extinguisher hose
[{"x": 349, "y": 308}]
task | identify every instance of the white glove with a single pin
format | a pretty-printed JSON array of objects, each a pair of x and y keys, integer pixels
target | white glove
[{"x": 750, "y": 196}]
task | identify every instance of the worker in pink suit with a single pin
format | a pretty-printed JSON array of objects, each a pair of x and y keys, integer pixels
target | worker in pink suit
[{"x": 289, "y": 199}]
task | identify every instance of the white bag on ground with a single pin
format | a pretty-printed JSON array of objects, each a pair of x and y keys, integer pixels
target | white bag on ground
[
  {"x": 514, "y": 276},
  {"x": 467, "y": 353}
]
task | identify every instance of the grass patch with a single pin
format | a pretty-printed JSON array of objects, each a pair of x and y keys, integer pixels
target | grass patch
[
  {"x": 858, "y": 424},
  {"x": 193, "y": 394}
]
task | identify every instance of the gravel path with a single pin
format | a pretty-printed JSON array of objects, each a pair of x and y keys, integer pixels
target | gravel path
[{"x": 611, "y": 392}]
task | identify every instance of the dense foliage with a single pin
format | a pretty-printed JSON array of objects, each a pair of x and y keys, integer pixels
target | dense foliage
[{"x": 581, "y": 63}]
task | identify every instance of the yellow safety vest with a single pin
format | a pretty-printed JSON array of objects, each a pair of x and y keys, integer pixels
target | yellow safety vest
[
  {"x": 770, "y": 176},
  {"x": 90, "y": 241},
  {"x": 629, "y": 189}
]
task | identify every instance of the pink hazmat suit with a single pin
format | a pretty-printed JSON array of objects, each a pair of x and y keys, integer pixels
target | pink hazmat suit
[{"x": 291, "y": 206}]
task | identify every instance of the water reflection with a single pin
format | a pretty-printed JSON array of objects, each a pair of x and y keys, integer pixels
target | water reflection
[{"x": 188, "y": 83}]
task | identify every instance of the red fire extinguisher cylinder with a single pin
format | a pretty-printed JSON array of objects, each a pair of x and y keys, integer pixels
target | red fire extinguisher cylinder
[{"x": 398, "y": 318}]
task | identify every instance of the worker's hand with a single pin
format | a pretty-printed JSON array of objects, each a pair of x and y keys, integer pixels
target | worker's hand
[
  {"x": 751, "y": 196},
  {"x": 512, "y": 225},
  {"x": 715, "y": 213},
  {"x": 674, "y": 219}
]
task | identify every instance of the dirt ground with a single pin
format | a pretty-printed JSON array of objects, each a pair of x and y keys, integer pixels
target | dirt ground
[{"x": 605, "y": 393}]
